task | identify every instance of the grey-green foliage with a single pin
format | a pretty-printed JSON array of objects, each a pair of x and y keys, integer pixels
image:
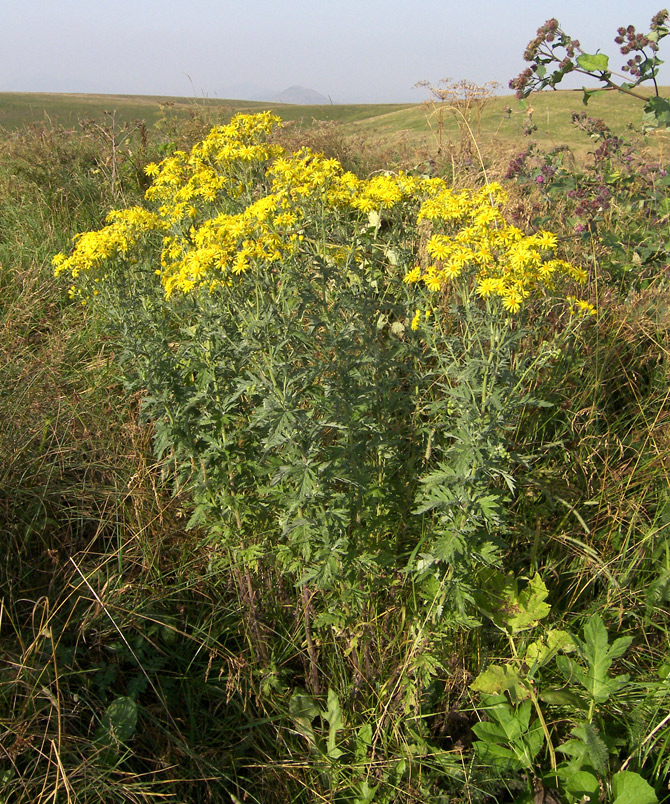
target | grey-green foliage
[{"x": 317, "y": 431}]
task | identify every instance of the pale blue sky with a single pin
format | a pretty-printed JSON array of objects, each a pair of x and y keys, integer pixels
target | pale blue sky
[{"x": 351, "y": 50}]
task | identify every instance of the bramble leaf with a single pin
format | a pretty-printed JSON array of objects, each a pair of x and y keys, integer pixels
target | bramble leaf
[
  {"x": 497, "y": 679},
  {"x": 543, "y": 650}
]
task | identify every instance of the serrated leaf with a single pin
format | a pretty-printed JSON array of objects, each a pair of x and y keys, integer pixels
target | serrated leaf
[
  {"x": 629, "y": 787},
  {"x": 543, "y": 650},
  {"x": 497, "y": 679},
  {"x": 587, "y": 748},
  {"x": 530, "y": 606},
  {"x": 593, "y": 63}
]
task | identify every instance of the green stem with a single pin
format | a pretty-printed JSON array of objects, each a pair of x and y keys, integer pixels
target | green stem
[{"x": 536, "y": 704}]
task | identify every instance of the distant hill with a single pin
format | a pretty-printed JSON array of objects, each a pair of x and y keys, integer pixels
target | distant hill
[{"x": 301, "y": 96}]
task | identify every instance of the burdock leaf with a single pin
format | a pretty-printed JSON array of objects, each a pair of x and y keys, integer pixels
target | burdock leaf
[
  {"x": 593, "y": 63},
  {"x": 629, "y": 787}
]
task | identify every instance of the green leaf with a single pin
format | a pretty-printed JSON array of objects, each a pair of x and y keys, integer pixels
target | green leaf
[
  {"x": 593, "y": 63},
  {"x": 363, "y": 741},
  {"x": 657, "y": 111},
  {"x": 587, "y": 748},
  {"x": 497, "y": 679},
  {"x": 589, "y": 93},
  {"x": 544, "y": 649},
  {"x": 334, "y": 717},
  {"x": 582, "y": 784},
  {"x": 506, "y": 606},
  {"x": 120, "y": 719},
  {"x": 600, "y": 655},
  {"x": 303, "y": 710},
  {"x": 530, "y": 607},
  {"x": 366, "y": 794},
  {"x": 561, "y": 697},
  {"x": 629, "y": 787}
]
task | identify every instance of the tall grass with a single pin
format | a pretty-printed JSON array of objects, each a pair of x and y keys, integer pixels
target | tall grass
[{"x": 248, "y": 691}]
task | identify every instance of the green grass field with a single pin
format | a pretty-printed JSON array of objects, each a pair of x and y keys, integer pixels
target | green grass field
[{"x": 416, "y": 124}]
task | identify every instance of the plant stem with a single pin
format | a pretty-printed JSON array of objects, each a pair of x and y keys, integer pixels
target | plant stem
[{"x": 533, "y": 697}]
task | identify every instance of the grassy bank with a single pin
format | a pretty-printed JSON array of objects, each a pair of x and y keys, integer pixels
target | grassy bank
[{"x": 165, "y": 639}]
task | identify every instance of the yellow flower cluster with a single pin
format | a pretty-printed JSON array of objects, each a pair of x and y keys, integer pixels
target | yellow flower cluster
[
  {"x": 473, "y": 236},
  {"x": 238, "y": 201},
  {"x": 94, "y": 249}
]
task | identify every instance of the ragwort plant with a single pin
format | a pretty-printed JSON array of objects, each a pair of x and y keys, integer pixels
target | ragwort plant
[{"x": 332, "y": 366}]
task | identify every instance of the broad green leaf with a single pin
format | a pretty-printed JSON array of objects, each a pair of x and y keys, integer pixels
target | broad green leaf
[
  {"x": 489, "y": 732},
  {"x": 629, "y": 787},
  {"x": 544, "y": 649},
  {"x": 600, "y": 655},
  {"x": 303, "y": 709},
  {"x": 494, "y": 753},
  {"x": 581, "y": 783},
  {"x": 593, "y": 63},
  {"x": 366, "y": 794},
  {"x": 657, "y": 111},
  {"x": 515, "y": 611},
  {"x": 530, "y": 606},
  {"x": 561, "y": 697},
  {"x": 363, "y": 741},
  {"x": 497, "y": 679},
  {"x": 334, "y": 717},
  {"x": 118, "y": 723}
]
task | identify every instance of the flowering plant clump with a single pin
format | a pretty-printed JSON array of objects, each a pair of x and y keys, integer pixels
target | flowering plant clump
[
  {"x": 553, "y": 54},
  {"x": 619, "y": 194},
  {"x": 328, "y": 417},
  {"x": 238, "y": 203}
]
